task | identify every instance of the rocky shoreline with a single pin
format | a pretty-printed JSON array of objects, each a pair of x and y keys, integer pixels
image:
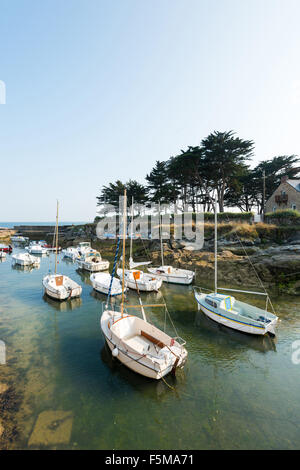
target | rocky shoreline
[{"x": 273, "y": 252}]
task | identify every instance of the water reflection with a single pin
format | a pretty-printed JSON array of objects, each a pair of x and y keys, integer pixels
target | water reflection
[
  {"x": 84, "y": 276},
  {"x": 139, "y": 383},
  {"x": 63, "y": 305},
  {"x": 21, "y": 268},
  {"x": 224, "y": 334}
]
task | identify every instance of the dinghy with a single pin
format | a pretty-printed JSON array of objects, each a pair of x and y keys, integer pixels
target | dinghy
[
  {"x": 101, "y": 282},
  {"x": 136, "y": 279},
  {"x": 137, "y": 344},
  {"x": 228, "y": 311},
  {"x": 58, "y": 286},
  {"x": 173, "y": 275},
  {"x": 61, "y": 287},
  {"x": 92, "y": 261},
  {"x": 25, "y": 259}
]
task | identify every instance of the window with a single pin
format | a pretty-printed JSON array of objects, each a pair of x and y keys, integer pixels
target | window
[
  {"x": 294, "y": 207},
  {"x": 283, "y": 193},
  {"x": 211, "y": 303},
  {"x": 274, "y": 208}
]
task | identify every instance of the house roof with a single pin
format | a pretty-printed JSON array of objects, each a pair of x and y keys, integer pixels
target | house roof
[{"x": 295, "y": 183}]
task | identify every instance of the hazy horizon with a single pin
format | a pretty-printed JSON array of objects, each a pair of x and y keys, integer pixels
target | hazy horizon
[{"x": 98, "y": 91}]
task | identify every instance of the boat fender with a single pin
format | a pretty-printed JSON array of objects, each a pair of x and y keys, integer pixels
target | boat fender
[{"x": 115, "y": 352}]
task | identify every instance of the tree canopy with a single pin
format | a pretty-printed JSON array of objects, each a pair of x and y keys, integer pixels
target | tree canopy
[{"x": 218, "y": 168}]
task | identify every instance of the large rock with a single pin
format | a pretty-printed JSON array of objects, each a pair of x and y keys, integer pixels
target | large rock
[{"x": 52, "y": 428}]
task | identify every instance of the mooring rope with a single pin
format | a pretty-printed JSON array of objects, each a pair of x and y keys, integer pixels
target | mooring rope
[{"x": 252, "y": 265}]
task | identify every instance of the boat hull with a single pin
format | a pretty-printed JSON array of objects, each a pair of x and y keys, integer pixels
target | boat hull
[
  {"x": 28, "y": 261},
  {"x": 61, "y": 294},
  {"x": 135, "y": 366},
  {"x": 151, "y": 286},
  {"x": 135, "y": 361},
  {"x": 236, "y": 324},
  {"x": 58, "y": 296},
  {"x": 93, "y": 267},
  {"x": 173, "y": 278}
]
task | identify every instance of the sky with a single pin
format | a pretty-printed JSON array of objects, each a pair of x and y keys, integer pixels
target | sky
[{"x": 98, "y": 90}]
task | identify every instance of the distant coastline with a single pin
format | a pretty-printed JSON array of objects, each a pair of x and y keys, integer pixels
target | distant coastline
[{"x": 13, "y": 224}]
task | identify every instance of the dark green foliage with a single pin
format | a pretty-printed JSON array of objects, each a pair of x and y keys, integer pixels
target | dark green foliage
[{"x": 217, "y": 169}]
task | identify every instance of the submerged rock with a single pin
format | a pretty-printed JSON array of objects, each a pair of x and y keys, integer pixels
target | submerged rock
[{"x": 52, "y": 428}]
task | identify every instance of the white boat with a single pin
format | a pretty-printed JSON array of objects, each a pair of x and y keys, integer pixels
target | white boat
[
  {"x": 36, "y": 249},
  {"x": 169, "y": 273},
  {"x": 58, "y": 286},
  {"x": 101, "y": 282},
  {"x": 92, "y": 261},
  {"x": 137, "y": 344},
  {"x": 25, "y": 259},
  {"x": 18, "y": 239},
  {"x": 61, "y": 287},
  {"x": 228, "y": 311},
  {"x": 70, "y": 252},
  {"x": 83, "y": 247},
  {"x": 138, "y": 280},
  {"x": 141, "y": 346},
  {"x": 173, "y": 275}
]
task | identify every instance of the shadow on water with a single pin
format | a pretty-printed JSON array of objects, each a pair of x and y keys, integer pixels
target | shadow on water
[
  {"x": 224, "y": 334},
  {"x": 133, "y": 380},
  {"x": 63, "y": 305}
]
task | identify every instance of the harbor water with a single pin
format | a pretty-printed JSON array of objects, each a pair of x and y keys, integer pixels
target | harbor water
[{"x": 235, "y": 392}]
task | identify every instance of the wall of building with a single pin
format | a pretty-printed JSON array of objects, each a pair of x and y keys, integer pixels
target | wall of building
[{"x": 293, "y": 198}]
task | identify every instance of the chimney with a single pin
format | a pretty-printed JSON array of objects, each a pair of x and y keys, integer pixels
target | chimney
[{"x": 284, "y": 178}]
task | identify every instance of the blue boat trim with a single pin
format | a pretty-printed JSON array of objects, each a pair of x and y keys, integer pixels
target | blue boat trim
[{"x": 228, "y": 318}]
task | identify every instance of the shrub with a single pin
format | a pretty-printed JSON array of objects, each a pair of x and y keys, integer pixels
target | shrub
[
  {"x": 284, "y": 214},
  {"x": 227, "y": 216}
]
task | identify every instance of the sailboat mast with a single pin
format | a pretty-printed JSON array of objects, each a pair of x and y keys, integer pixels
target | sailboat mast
[
  {"x": 216, "y": 248},
  {"x": 160, "y": 234},
  {"x": 56, "y": 245},
  {"x": 131, "y": 231},
  {"x": 123, "y": 255}
]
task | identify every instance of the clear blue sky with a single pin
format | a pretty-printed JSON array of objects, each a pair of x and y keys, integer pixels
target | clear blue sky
[{"x": 97, "y": 90}]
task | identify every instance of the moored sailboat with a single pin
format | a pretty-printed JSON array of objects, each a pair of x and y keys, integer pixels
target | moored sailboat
[
  {"x": 135, "y": 342},
  {"x": 58, "y": 286},
  {"x": 169, "y": 273},
  {"x": 136, "y": 279},
  {"x": 228, "y": 311}
]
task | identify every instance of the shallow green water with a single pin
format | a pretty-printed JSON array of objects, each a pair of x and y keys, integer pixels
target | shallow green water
[{"x": 236, "y": 391}]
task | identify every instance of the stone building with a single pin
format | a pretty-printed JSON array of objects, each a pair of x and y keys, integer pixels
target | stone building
[{"x": 286, "y": 196}]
